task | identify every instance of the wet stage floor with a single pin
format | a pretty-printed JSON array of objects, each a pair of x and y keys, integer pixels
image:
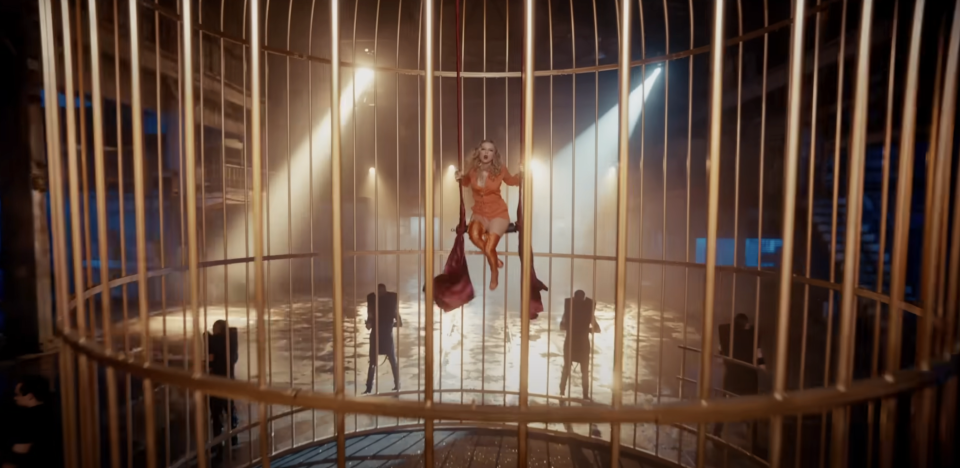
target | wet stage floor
[{"x": 477, "y": 350}]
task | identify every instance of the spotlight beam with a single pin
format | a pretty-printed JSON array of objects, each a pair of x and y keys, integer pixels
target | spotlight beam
[{"x": 299, "y": 167}]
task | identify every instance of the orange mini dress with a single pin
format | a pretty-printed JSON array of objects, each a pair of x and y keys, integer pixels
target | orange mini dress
[{"x": 489, "y": 209}]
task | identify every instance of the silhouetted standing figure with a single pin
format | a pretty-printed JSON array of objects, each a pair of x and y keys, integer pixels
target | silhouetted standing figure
[
  {"x": 34, "y": 426},
  {"x": 579, "y": 322},
  {"x": 382, "y": 316},
  {"x": 222, "y": 360},
  {"x": 739, "y": 379}
]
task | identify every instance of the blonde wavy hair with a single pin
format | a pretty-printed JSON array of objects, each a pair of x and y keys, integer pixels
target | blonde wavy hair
[{"x": 474, "y": 160}]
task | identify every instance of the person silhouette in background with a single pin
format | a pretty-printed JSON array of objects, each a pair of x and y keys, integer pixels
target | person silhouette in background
[
  {"x": 739, "y": 379},
  {"x": 34, "y": 424},
  {"x": 579, "y": 322},
  {"x": 382, "y": 316},
  {"x": 222, "y": 360}
]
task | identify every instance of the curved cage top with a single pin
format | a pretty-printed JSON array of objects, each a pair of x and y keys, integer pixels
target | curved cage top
[{"x": 569, "y": 35}]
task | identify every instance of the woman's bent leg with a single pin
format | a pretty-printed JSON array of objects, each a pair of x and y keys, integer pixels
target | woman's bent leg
[
  {"x": 498, "y": 227},
  {"x": 490, "y": 251},
  {"x": 476, "y": 232}
]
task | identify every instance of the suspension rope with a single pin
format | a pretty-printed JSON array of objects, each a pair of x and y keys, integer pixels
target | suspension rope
[
  {"x": 453, "y": 288},
  {"x": 463, "y": 212}
]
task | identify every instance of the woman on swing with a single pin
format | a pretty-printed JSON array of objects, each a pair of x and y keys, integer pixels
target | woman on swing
[{"x": 485, "y": 173}]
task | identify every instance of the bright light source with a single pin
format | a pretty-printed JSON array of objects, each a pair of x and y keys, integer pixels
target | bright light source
[
  {"x": 452, "y": 168},
  {"x": 373, "y": 170},
  {"x": 612, "y": 170},
  {"x": 364, "y": 77},
  {"x": 536, "y": 167}
]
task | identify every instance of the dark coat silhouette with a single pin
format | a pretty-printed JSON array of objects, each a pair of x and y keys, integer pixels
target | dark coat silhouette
[
  {"x": 223, "y": 359},
  {"x": 381, "y": 324},
  {"x": 740, "y": 380},
  {"x": 578, "y": 318}
]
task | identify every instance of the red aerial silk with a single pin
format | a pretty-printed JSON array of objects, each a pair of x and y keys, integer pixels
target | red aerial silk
[
  {"x": 453, "y": 288},
  {"x": 536, "y": 303}
]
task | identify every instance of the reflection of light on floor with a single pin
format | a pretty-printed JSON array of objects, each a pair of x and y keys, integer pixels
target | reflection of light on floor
[
  {"x": 178, "y": 323},
  {"x": 456, "y": 339},
  {"x": 175, "y": 328},
  {"x": 301, "y": 359}
]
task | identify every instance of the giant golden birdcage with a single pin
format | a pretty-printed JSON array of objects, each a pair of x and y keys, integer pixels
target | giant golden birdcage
[{"x": 269, "y": 163}]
